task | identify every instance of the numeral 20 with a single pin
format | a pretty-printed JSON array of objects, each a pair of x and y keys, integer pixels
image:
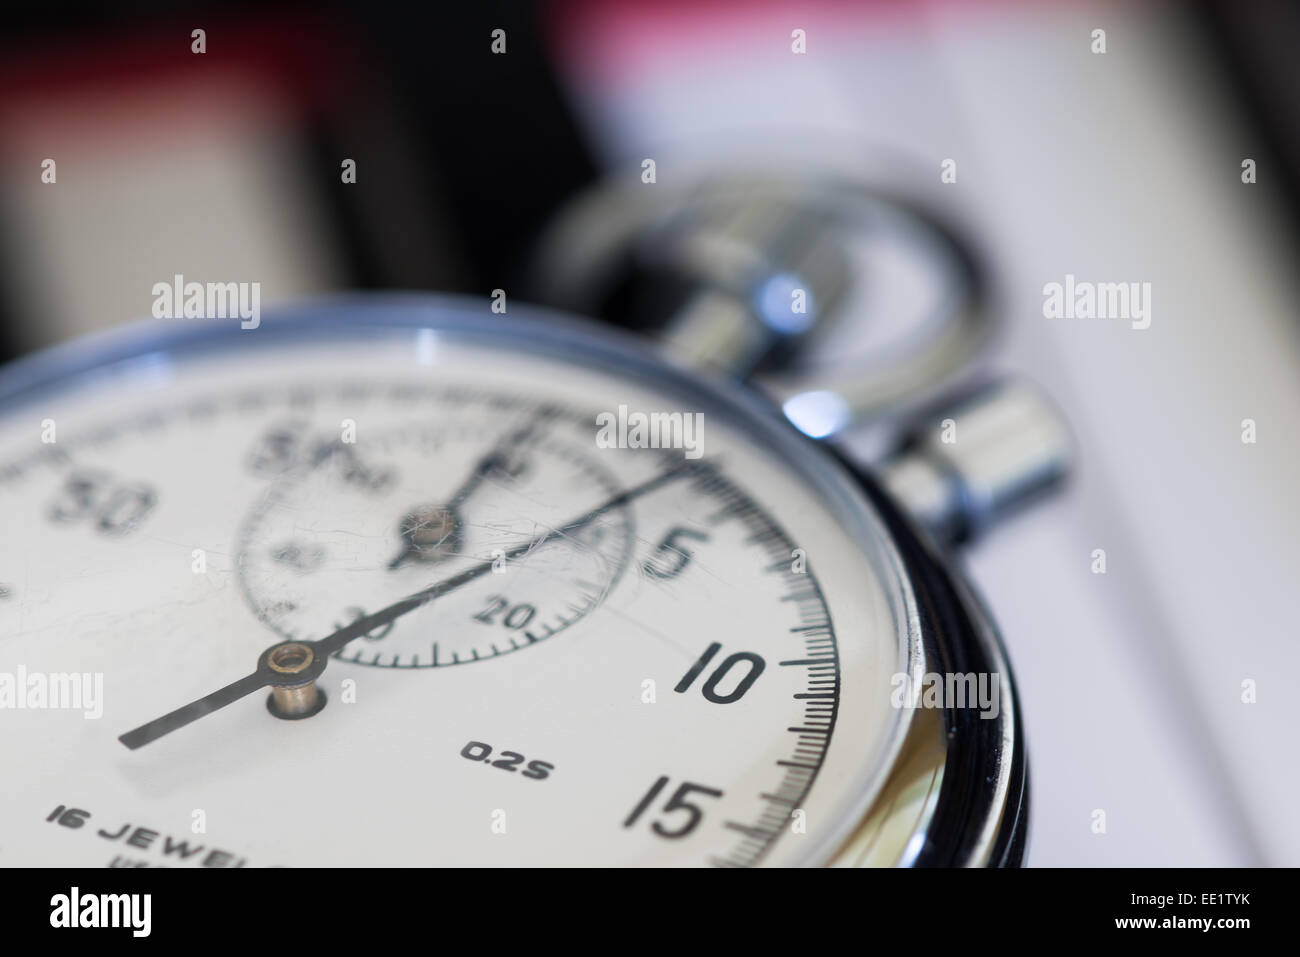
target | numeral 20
[{"x": 515, "y": 617}]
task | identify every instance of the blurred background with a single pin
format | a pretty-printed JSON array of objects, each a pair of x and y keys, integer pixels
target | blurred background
[{"x": 525, "y": 170}]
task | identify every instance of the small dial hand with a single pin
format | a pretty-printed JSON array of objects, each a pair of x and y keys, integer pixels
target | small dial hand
[
  {"x": 431, "y": 533},
  {"x": 498, "y": 457}
]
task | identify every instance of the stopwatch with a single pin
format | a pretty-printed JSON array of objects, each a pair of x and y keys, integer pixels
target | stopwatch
[{"x": 398, "y": 581}]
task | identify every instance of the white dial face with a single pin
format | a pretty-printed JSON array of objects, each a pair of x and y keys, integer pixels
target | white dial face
[{"x": 573, "y": 653}]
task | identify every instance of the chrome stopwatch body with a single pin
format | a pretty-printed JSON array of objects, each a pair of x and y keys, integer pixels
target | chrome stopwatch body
[{"x": 529, "y": 596}]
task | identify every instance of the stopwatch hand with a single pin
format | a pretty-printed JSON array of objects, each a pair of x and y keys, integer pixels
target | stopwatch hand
[
  {"x": 497, "y": 457},
  {"x": 266, "y": 675},
  {"x": 193, "y": 711},
  {"x": 331, "y": 644}
]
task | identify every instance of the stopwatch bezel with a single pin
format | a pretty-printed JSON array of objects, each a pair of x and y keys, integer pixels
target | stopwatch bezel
[
  {"x": 981, "y": 817},
  {"x": 127, "y": 350}
]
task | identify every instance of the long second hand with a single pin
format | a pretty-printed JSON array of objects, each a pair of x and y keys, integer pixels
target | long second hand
[{"x": 324, "y": 647}]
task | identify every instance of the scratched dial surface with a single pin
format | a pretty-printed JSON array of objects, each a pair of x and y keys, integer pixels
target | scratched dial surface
[{"x": 668, "y": 658}]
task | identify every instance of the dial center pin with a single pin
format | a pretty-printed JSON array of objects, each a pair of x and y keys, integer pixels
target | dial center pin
[
  {"x": 294, "y": 691},
  {"x": 430, "y": 533}
]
